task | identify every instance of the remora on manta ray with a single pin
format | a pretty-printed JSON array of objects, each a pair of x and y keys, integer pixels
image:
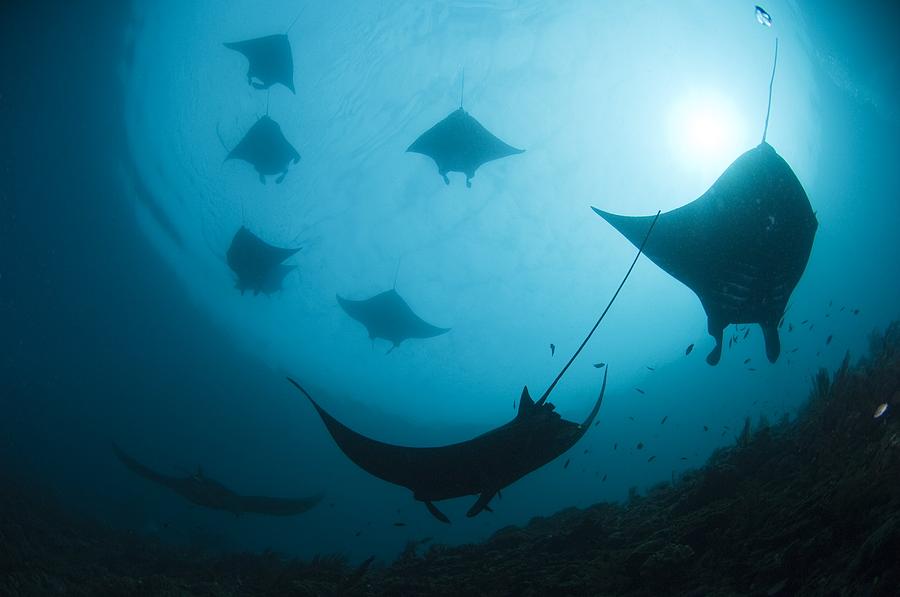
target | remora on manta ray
[
  {"x": 480, "y": 466},
  {"x": 741, "y": 247}
]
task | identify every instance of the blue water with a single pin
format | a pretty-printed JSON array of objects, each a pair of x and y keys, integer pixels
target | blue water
[{"x": 120, "y": 321}]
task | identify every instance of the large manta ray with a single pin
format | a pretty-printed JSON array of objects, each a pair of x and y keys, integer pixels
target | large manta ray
[
  {"x": 257, "y": 264},
  {"x": 459, "y": 143},
  {"x": 266, "y": 149},
  {"x": 270, "y": 60},
  {"x": 387, "y": 315},
  {"x": 742, "y": 246},
  {"x": 480, "y": 466},
  {"x": 203, "y": 491}
]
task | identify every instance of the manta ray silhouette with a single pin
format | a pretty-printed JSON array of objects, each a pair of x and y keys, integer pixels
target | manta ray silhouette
[
  {"x": 742, "y": 246},
  {"x": 257, "y": 264},
  {"x": 203, "y": 491},
  {"x": 270, "y": 60},
  {"x": 459, "y": 143},
  {"x": 388, "y": 316},
  {"x": 266, "y": 149},
  {"x": 481, "y": 466}
]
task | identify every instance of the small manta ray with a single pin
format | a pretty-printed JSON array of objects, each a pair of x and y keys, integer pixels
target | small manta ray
[
  {"x": 741, "y": 247},
  {"x": 387, "y": 315},
  {"x": 203, "y": 491},
  {"x": 480, "y": 466},
  {"x": 270, "y": 59},
  {"x": 459, "y": 143},
  {"x": 258, "y": 265},
  {"x": 265, "y": 148}
]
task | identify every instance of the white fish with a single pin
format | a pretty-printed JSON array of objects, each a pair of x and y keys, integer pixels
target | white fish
[
  {"x": 763, "y": 17},
  {"x": 882, "y": 408}
]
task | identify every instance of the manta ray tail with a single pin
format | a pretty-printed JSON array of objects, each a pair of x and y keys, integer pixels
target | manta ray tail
[
  {"x": 771, "y": 84},
  {"x": 602, "y": 315}
]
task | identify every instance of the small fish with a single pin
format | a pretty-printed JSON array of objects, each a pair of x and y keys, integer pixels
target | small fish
[
  {"x": 804, "y": 322},
  {"x": 811, "y": 326},
  {"x": 751, "y": 368},
  {"x": 842, "y": 309},
  {"x": 705, "y": 428},
  {"x": 793, "y": 350},
  {"x": 651, "y": 459},
  {"x": 640, "y": 445},
  {"x": 603, "y": 479},
  {"x": 631, "y": 418},
  {"x": 762, "y": 17},
  {"x": 552, "y": 349},
  {"x": 615, "y": 445},
  {"x": 399, "y": 524},
  {"x": 639, "y": 391},
  {"x": 649, "y": 368},
  {"x": 597, "y": 423},
  {"x": 856, "y": 311},
  {"x": 688, "y": 350},
  {"x": 566, "y": 465},
  {"x": 828, "y": 315},
  {"x": 747, "y": 360},
  {"x": 684, "y": 457},
  {"x": 790, "y": 327},
  {"x": 828, "y": 340},
  {"x": 664, "y": 419},
  {"x": 357, "y": 533},
  {"x": 830, "y": 303},
  {"x": 882, "y": 408},
  {"x": 747, "y": 333},
  {"x": 586, "y": 450},
  {"x": 599, "y": 365}
]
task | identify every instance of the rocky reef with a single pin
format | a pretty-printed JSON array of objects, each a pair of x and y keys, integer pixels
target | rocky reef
[{"x": 803, "y": 507}]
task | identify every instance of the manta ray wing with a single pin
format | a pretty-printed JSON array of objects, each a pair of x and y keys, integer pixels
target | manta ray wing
[
  {"x": 741, "y": 247},
  {"x": 459, "y": 143},
  {"x": 270, "y": 60}
]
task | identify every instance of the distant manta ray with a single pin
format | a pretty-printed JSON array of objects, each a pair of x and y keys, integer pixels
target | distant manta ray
[
  {"x": 203, "y": 491},
  {"x": 386, "y": 315},
  {"x": 266, "y": 149},
  {"x": 270, "y": 60},
  {"x": 459, "y": 143},
  {"x": 742, "y": 246},
  {"x": 481, "y": 466},
  {"x": 258, "y": 265}
]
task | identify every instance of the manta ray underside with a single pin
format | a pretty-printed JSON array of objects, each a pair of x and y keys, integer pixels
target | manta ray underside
[
  {"x": 741, "y": 247},
  {"x": 203, "y": 491},
  {"x": 459, "y": 143},
  {"x": 258, "y": 265},
  {"x": 266, "y": 149},
  {"x": 388, "y": 316},
  {"x": 480, "y": 466},
  {"x": 270, "y": 60}
]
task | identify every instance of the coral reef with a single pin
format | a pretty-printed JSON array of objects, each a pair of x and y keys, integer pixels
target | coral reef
[{"x": 803, "y": 507}]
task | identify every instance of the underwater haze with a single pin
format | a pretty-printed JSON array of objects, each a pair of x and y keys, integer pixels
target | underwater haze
[{"x": 123, "y": 321}]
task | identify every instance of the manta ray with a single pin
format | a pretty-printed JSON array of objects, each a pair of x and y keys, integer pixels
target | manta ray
[
  {"x": 266, "y": 149},
  {"x": 258, "y": 265},
  {"x": 388, "y": 316},
  {"x": 270, "y": 60},
  {"x": 459, "y": 143},
  {"x": 203, "y": 491},
  {"x": 742, "y": 246},
  {"x": 481, "y": 466}
]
